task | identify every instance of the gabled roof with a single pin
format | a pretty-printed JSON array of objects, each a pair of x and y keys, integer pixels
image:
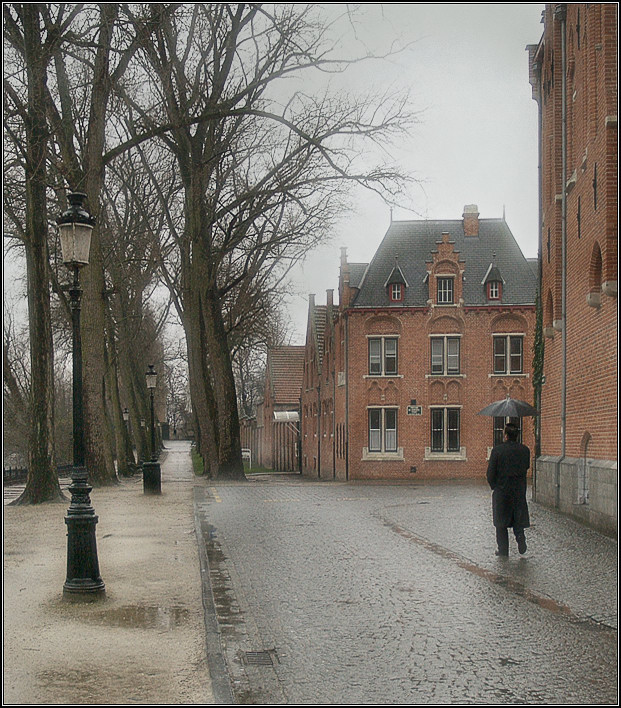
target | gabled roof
[
  {"x": 493, "y": 273},
  {"x": 396, "y": 276},
  {"x": 286, "y": 373},
  {"x": 356, "y": 273},
  {"x": 413, "y": 242},
  {"x": 319, "y": 316}
]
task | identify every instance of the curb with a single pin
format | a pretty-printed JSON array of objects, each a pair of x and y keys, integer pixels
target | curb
[{"x": 221, "y": 686}]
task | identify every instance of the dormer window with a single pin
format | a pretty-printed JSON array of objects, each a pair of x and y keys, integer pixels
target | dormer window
[
  {"x": 396, "y": 284},
  {"x": 445, "y": 291},
  {"x": 494, "y": 290},
  {"x": 493, "y": 281},
  {"x": 395, "y": 291}
]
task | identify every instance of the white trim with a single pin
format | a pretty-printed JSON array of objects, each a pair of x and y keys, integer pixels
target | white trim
[
  {"x": 460, "y": 456},
  {"x": 382, "y": 456},
  {"x": 398, "y": 267}
]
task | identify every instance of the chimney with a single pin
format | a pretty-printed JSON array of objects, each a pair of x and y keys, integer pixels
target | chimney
[
  {"x": 344, "y": 289},
  {"x": 471, "y": 220}
]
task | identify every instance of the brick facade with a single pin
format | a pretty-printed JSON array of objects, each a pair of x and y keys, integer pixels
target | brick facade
[
  {"x": 379, "y": 399},
  {"x": 280, "y": 432},
  {"x": 578, "y": 247}
]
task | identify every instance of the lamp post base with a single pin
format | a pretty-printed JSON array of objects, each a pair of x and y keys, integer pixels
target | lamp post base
[
  {"x": 151, "y": 477},
  {"x": 82, "y": 563}
]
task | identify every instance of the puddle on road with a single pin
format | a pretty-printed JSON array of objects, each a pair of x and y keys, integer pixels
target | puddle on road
[{"x": 143, "y": 617}]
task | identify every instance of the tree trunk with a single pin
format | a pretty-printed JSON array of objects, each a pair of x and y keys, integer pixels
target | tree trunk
[
  {"x": 114, "y": 405},
  {"x": 201, "y": 391},
  {"x": 42, "y": 482},
  {"x": 99, "y": 449},
  {"x": 230, "y": 463}
]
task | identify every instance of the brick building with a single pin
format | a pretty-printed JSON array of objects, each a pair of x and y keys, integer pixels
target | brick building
[
  {"x": 437, "y": 326},
  {"x": 279, "y": 413},
  {"x": 573, "y": 73}
]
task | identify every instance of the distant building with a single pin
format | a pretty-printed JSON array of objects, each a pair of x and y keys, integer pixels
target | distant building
[
  {"x": 437, "y": 326},
  {"x": 573, "y": 72},
  {"x": 280, "y": 411}
]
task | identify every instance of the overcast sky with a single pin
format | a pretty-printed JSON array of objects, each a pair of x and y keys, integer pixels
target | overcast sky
[{"x": 476, "y": 142}]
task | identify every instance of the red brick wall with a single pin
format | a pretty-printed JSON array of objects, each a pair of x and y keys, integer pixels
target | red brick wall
[
  {"x": 591, "y": 186},
  {"x": 475, "y": 388},
  {"x": 347, "y": 390}
]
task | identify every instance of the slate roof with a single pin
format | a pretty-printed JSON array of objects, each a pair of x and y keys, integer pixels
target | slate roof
[
  {"x": 286, "y": 372},
  {"x": 319, "y": 321},
  {"x": 356, "y": 273},
  {"x": 412, "y": 244}
]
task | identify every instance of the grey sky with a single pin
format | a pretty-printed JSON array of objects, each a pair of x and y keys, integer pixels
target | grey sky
[{"x": 476, "y": 143}]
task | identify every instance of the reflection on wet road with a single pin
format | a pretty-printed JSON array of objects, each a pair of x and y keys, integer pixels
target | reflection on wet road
[{"x": 391, "y": 594}]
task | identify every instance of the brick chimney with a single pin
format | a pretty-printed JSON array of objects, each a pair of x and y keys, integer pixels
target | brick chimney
[
  {"x": 345, "y": 293},
  {"x": 471, "y": 220}
]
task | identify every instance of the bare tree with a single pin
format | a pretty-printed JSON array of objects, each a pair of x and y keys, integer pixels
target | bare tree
[
  {"x": 29, "y": 107},
  {"x": 262, "y": 182}
]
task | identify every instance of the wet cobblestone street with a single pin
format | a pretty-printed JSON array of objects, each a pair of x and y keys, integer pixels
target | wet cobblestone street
[{"x": 391, "y": 594}]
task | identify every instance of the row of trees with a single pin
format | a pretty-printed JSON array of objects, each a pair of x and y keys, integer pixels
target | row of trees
[{"x": 213, "y": 160}]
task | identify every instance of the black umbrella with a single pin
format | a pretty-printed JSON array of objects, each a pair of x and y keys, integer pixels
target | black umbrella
[{"x": 509, "y": 407}]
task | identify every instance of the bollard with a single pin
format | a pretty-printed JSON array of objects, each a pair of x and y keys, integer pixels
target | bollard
[{"x": 151, "y": 477}]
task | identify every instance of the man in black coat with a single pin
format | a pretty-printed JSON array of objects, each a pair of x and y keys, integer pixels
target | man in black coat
[{"x": 506, "y": 474}]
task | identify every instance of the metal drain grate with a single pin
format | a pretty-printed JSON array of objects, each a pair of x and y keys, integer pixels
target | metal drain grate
[{"x": 258, "y": 658}]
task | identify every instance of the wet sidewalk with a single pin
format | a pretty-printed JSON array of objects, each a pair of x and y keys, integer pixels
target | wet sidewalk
[
  {"x": 150, "y": 640},
  {"x": 145, "y": 642}
]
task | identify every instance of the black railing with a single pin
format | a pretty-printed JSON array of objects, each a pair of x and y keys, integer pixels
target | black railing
[{"x": 18, "y": 475}]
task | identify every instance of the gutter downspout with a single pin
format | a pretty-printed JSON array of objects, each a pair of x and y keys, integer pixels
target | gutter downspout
[
  {"x": 346, "y": 396},
  {"x": 319, "y": 428},
  {"x": 539, "y": 265},
  {"x": 560, "y": 12},
  {"x": 333, "y": 415}
]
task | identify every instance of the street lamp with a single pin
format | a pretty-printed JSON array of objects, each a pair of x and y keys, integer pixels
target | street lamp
[
  {"x": 129, "y": 453},
  {"x": 151, "y": 472},
  {"x": 83, "y": 580}
]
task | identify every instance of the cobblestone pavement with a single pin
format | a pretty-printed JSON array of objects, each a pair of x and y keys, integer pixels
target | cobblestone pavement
[{"x": 334, "y": 593}]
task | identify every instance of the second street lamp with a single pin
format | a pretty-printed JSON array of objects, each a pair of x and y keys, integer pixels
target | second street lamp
[
  {"x": 151, "y": 472},
  {"x": 83, "y": 579},
  {"x": 129, "y": 453}
]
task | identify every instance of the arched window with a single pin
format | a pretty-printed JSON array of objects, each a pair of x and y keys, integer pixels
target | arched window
[{"x": 595, "y": 269}]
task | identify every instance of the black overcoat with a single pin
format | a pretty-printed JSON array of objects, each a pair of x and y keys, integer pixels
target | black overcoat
[{"x": 506, "y": 475}]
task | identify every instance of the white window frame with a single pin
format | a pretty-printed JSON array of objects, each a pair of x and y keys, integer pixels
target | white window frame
[
  {"x": 445, "y": 454},
  {"x": 442, "y": 291},
  {"x": 445, "y": 428},
  {"x": 383, "y": 356},
  {"x": 396, "y": 292},
  {"x": 444, "y": 339},
  {"x": 493, "y": 290},
  {"x": 508, "y": 354},
  {"x": 383, "y": 441}
]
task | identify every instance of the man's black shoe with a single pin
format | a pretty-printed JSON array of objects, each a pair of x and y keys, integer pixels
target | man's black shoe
[
  {"x": 502, "y": 553},
  {"x": 521, "y": 545}
]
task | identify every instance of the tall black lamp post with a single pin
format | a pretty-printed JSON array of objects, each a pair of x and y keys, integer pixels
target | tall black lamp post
[
  {"x": 83, "y": 579},
  {"x": 129, "y": 453},
  {"x": 151, "y": 472}
]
